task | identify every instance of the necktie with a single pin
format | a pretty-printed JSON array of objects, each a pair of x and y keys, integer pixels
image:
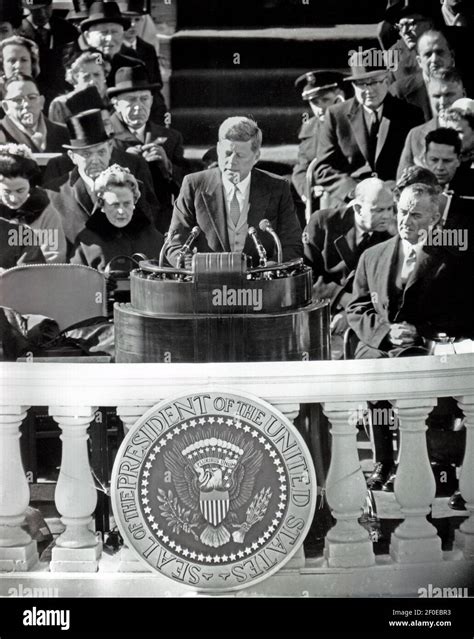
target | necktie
[
  {"x": 235, "y": 208},
  {"x": 43, "y": 37},
  {"x": 373, "y": 133},
  {"x": 408, "y": 266},
  {"x": 364, "y": 242}
]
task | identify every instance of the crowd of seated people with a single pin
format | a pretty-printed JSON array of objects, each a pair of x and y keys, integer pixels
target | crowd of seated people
[{"x": 393, "y": 165}]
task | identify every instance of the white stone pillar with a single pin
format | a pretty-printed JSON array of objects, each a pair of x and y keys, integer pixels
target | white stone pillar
[
  {"x": 77, "y": 549},
  {"x": 465, "y": 535},
  {"x": 415, "y": 540},
  {"x": 18, "y": 551},
  {"x": 347, "y": 543},
  {"x": 128, "y": 561},
  {"x": 291, "y": 412}
]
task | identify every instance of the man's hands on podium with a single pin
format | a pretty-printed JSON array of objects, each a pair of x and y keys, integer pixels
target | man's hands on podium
[{"x": 403, "y": 334}]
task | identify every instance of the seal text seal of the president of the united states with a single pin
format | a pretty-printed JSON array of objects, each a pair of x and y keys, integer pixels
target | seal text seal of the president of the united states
[{"x": 214, "y": 490}]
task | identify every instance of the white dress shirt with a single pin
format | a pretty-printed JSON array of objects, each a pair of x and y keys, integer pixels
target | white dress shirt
[{"x": 404, "y": 252}]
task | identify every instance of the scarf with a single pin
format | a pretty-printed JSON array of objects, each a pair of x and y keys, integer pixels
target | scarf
[{"x": 36, "y": 140}]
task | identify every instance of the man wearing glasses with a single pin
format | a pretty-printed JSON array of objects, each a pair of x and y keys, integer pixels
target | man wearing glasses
[
  {"x": 24, "y": 122},
  {"x": 363, "y": 136}
]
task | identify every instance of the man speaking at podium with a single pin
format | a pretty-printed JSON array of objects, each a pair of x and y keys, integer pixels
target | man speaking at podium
[{"x": 226, "y": 201}]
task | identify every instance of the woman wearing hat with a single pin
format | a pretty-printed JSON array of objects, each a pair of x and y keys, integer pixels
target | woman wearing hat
[
  {"x": 117, "y": 226},
  {"x": 24, "y": 202}
]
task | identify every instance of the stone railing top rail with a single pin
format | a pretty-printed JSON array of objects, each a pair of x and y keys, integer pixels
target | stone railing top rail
[{"x": 65, "y": 384}]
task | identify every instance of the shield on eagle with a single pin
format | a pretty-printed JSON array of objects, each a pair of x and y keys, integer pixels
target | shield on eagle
[{"x": 214, "y": 506}]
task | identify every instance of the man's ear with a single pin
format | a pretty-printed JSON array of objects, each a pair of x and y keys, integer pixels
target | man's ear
[
  {"x": 257, "y": 157},
  {"x": 72, "y": 156},
  {"x": 5, "y": 105},
  {"x": 41, "y": 99},
  {"x": 357, "y": 207}
]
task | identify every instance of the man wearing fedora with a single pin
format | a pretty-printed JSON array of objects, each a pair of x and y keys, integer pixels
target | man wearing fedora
[
  {"x": 24, "y": 122},
  {"x": 320, "y": 89},
  {"x": 135, "y": 133},
  {"x": 90, "y": 151},
  {"x": 363, "y": 136},
  {"x": 104, "y": 30}
]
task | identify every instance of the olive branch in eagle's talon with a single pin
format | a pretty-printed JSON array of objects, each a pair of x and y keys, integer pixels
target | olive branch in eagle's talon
[
  {"x": 255, "y": 512},
  {"x": 177, "y": 517}
]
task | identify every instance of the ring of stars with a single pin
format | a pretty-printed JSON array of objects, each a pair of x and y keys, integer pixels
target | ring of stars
[{"x": 264, "y": 537}]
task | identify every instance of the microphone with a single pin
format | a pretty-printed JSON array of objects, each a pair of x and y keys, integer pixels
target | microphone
[
  {"x": 262, "y": 254},
  {"x": 268, "y": 228},
  {"x": 187, "y": 245}
]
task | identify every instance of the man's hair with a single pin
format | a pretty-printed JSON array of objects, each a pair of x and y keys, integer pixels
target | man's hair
[
  {"x": 19, "y": 77},
  {"x": 446, "y": 136},
  {"x": 414, "y": 175},
  {"x": 446, "y": 74},
  {"x": 14, "y": 166},
  {"x": 74, "y": 64},
  {"x": 420, "y": 190},
  {"x": 116, "y": 175},
  {"x": 241, "y": 129},
  {"x": 364, "y": 185},
  {"x": 433, "y": 33},
  {"x": 29, "y": 45},
  {"x": 457, "y": 114}
]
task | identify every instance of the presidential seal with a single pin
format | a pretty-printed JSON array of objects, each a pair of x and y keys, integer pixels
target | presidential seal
[{"x": 214, "y": 490}]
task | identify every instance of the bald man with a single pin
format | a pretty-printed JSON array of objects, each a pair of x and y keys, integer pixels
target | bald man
[{"x": 334, "y": 240}]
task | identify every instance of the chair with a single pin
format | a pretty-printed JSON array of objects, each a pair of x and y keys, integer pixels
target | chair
[{"x": 69, "y": 294}]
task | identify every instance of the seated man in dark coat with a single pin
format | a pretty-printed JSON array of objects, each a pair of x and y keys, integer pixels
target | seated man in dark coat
[
  {"x": 136, "y": 11},
  {"x": 24, "y": 122},
  {"x": 364, "y": 135},
  {"x": 134, "y": 132},
  {"x": 334, "y": 240},
  {"x": 224, "y": 202}
]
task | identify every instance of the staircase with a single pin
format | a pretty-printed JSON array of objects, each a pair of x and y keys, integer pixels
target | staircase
[{"x": 227, "y": 63}]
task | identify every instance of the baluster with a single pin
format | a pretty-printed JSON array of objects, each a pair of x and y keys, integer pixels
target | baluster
[
  {"x": 128, "y": 561},
  {"x": 291, "y": 412},
  {"x": 465, "y": 535},
  {"x": 347, "y": 543},
  {"x": 78, "y": 548},
  {"x": 18, "y": 551},
  {"x": 415, "y": 539}
]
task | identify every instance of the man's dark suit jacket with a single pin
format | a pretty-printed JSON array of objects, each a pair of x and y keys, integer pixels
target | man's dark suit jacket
[
  {"x": 146, "y": 52},
  {"x": 343, "y": 148},
  {"x": 330, "y": 249},
  {"x": 56, "y": 136},
  {"x": 438, "y": 296},
  {"x": 201, "y": 202},
  {"x": 412, "y": 89}
]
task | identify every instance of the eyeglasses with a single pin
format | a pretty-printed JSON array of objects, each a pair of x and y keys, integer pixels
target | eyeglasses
[
  {"x": 365, "y": 84},
  {"x": 31, "y": 99},
  {"x": 408, "y": 24}
]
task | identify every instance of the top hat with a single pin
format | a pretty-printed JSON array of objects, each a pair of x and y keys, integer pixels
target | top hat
[
  {"x": 315, "y": 82},
  {"x": 131, "y": 79},
  {"x": 85, "y": 100},
  {"x": 86, "y": 129},
  {"x": 11, "y": 14},
  {"x": 396, "y": 9},
  {"x": 366, "y": 64},
  {"x": 135, "y": 8},
  {"x": 100, "y": 12}
]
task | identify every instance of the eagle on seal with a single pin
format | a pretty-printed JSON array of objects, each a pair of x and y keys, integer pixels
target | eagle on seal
[{"x": 215, "y": 477}]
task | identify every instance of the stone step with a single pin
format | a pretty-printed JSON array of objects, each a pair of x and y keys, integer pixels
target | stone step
[{"x": 269, "y": 48}]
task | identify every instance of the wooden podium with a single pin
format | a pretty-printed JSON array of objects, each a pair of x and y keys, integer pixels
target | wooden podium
[{"x": 221, "y": 311}]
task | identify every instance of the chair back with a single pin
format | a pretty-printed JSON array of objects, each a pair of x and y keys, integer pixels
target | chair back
[{"x": 67, "y": 293}]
